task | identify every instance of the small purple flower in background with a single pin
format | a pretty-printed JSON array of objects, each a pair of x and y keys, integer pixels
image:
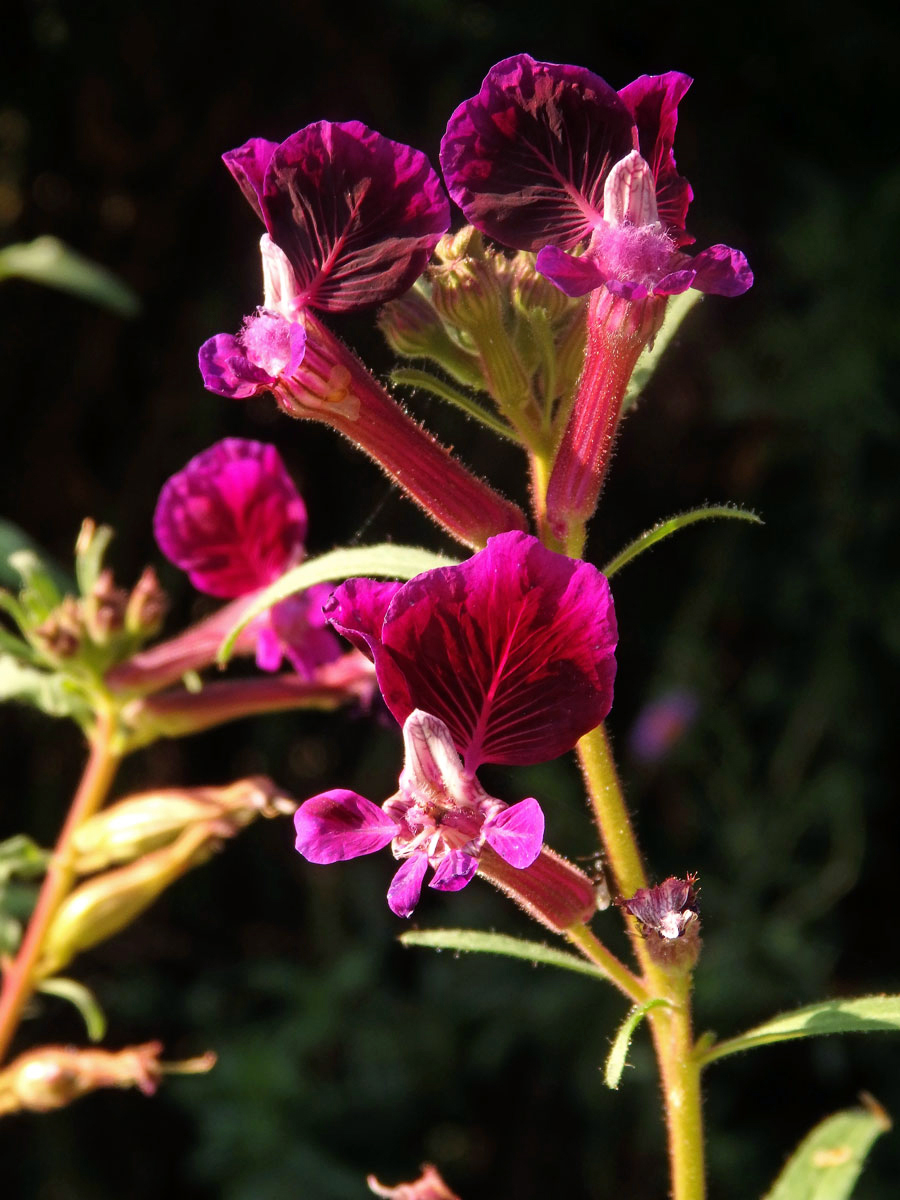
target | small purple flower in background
[
  {"x": 661, "y": 724},
  {"x": 351, "y": 219},
  {"x": 233, "y": 520},
  {"x": 507, "y": 658},
  {"x": 548, "y": 156}
]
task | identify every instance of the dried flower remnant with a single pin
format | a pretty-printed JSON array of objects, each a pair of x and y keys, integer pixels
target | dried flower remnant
[
  {"x": 234, "y": 521},
  {"x": 351, "y": 219},
  {"x": 669, "y": 919},
  {"x": 507, "y": 658},
  {"x": 429, "y": 1186}
]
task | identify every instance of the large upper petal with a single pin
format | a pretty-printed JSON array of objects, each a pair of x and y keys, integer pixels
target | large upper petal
[
  {"x": 231, "y": 518},
  {"x": 356, "y": 214},
  {"x": 248, "y": 165},
  {"x": 357, "y": 608},
  {"x": 527, "y": 157},
  {"x": 653, "y": 102},
  {"x": 513, "y": 650}
]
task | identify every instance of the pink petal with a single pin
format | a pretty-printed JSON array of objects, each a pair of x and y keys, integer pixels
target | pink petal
[
  {"x": 356, "y": 214},
  {"x": 227, "y": 370},
  {"x": 356, "y": 610},
  {"x": 572, "y": 275},
  {"x": 653, "y": 102},
  {"x": 248, "y": 165},
  {"x": 338, "y": 825},
  {"x": 517, "y": 833},
  {"x": 722, "y": 271},
  {"x": 456, "y": 869},
  {"x": 526, "y": 158},
  {"x": 231, "y": 518},
  {"x": 513, "y": 650},
  {"x": 406, "y": 886}
]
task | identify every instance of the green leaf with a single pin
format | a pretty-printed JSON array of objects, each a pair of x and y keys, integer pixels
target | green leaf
[
  {"x": 416, "y": 378},
  {"x": 84, "y": 1000},
  {"x": 12, "y": 538},
  {"x": 50, "y": 262},
  {"x": 827, "y": 1163},
  {"x": 677, "y": 309},
  {"x": 23, "y": 857},
  {"x": 89, "y": 557},
  {"x": 615, "y": 1063},
  {"x": 473, "y": 941},
  {"x": 863, "y": 1014},
  {"x": 662, "y": 529},
  {"x": 386, "y": 561},
  {"x": 52, "y": 693}
]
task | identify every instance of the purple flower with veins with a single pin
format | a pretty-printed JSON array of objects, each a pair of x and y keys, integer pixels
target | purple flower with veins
[
  {"x": 506, "y": 658},
  {"x": 547, "y": 157},
  {"x": 351, "y": 219},
  {"x": 233, "y": 520}
]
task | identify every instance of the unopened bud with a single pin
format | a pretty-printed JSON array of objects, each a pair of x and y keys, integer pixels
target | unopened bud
[
  {"x": 146, "y": 821},
  {"x": 146, "y": 605},
  {"x": 107, "y": 903},
  {"x": 552, "y": 890},
  {"x": 61, "y": 634},
  {"x": 104, "y": 608},
  {"x": 429, "y": 1186},
  {"x": 53, "y": 1076}
]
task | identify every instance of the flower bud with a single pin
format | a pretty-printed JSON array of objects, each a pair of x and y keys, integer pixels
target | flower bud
[
  {"x": 104, "y": 608},
  {"x": 107, "y": 903},
  {"x": 60, "y": 636},
  {"x": 429, "y": 1186},
  {"x": 146, "y": 605},
  {"x": 552, "y": 890},
  {"x": 53, "y": 1076},
  {"x": 144, "y": 822}
]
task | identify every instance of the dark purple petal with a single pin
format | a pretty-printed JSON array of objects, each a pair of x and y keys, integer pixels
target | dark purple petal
[
  {"x": 406, "y": 886},
  {"x": 300, "y": 633},
  {"x": 338, "y": 825},
  {"x": 572, "y": 275},
  {"x": 356, "y": 610},
  {"x": 231, "y": 518},
  {"x": 227, "y": 370},
  {"x": 356, "y": 214},
  {"x": 722, "y": 271},
  {"x": 627, "y": 289},
  {"x": 455, "y": 870},
  {"x": 248, "y": 165},
  {"x": 527, "y": 157},
  {"x": 653, "y": 102},
  {"x": 517, "y": 833},
  {"x": 513, "y": 650}
]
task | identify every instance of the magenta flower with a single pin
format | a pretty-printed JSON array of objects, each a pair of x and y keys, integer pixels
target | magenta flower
[
  {"x": 507, "y": 658},
  {"x": 233, "y": 520},
  {"x": 547, "y": 157},
  {"x": 351, "y": 219}
]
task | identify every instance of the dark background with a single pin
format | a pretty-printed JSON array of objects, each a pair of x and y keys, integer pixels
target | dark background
[{"x": 339, "y": 1052}]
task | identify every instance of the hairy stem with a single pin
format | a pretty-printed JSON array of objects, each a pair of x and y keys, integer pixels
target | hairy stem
[{"x": 18, "y": 981}]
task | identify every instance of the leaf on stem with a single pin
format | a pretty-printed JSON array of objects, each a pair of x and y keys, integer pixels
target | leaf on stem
[
  {"x": 827, "y": 1163},
  {"x": 83, "y": 999},
  {"x": 51, "y": 693},
  {"x": 662, "y": 529},
  {"x": 676, "y": 310},
  {"x": 385, "y": 561},
  {"x": 615, "y": 1063},
  {"x": 474, "y": 941},
  {"x": 417, "y": 378},
  {"x": 863, "y": 1014},
  {"x": 13, "y": 539}
]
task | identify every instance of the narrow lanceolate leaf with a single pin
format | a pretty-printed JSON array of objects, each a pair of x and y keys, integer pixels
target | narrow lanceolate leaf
[
  {"x": 50, "y": 693},
  {"x": 416, "y": 378},
  {"x": 473, "y": 941},
  {"x": 671, "y": 525},
  {"x": 384, "y": 561},
  {"x": 863, "y": 1014},
  {"x": 13, "y": 538},
  {"x": 50, "y": 262},
  {"x": 615, "y": 1063},
  {"x": 676, "y": 310},
  {"x": 827, "y": 1163},
  {"x": 83, "y": 999}
]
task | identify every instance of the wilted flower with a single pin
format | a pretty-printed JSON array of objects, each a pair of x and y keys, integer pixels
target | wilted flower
[
  {"x": 429, "y": 1186},
  {"x": 233, "y": 520},
  {"x": 507, "y": 658}
]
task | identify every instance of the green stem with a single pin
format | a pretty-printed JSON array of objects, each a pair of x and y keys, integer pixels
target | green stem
[
  {"x": 610, "y": 813},
  {"x": 616, "y": 971},
  {"x": 680, "y": 1076},
  {"x": 18, "y": 983}
]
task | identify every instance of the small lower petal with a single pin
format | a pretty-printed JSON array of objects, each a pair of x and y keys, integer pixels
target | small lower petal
[
  {"x": 722, "y": 271},
  {"x": 338, "y": 825},
  {"x": 572, "y": 275},
  {"x": 406, "y": 886},
  {"x": 675, "y": 283},
  {"x": 456, "y": 870},
  {"x": 517, "y": 833}
]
